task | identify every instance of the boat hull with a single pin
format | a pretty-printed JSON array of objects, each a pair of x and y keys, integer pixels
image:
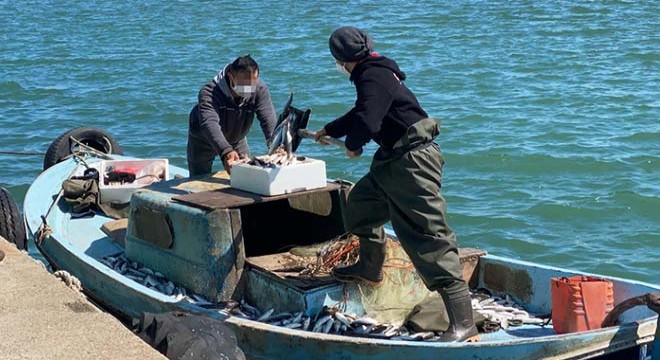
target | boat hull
[{"x": 262, "y": 341}]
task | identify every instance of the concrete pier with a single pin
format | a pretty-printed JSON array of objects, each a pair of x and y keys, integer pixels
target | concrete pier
[{"x": 42, "y": 318}]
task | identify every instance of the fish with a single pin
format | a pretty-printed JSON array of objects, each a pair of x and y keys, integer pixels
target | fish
[
  {"x": 298, "y": 316},
  {"x": 320, "y": 322},
  {"x": 265, "y": 315},
  {"x": 199, "y": 299},
  {"x": 336, "y": 326},
  {"x": 250, "y": 308},
  {"x": 276, "y": 141},
  {"x": 150, "y": 281},
  {"x": 146, "y": 270},
  {"x": 328, "y": 325},
  {"x": 236, "y": 311},
  {"x": 123, "y": 268},
  {"x": 364, "y": 321},
  {"x": 169, "y": 288},
  {"x": 342, "y": 318},
  {"x": 278, "y": 317},
  {"x": 134, "y": 278},
  {"x": 288, "y": 138},
  {"x": 306, "y": 322}
]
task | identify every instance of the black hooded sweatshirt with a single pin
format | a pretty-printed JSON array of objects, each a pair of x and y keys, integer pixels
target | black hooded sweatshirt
[{"x": 385, "y": 108}]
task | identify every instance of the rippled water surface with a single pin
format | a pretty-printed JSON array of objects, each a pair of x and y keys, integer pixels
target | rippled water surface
[{"x": 550, "y": 112}]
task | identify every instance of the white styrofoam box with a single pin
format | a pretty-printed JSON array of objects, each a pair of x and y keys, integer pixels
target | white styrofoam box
[
  {"x": 304, "y": 175},
  {"x": 146, "y": 171}
]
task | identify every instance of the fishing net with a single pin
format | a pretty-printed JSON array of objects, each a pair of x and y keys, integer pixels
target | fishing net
[{"x": 391, "y": 300}]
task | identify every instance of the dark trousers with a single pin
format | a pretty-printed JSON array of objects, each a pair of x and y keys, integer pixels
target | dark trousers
[
  {"x": 201, "y": 154},
  {"x": 404, "y": 187}
]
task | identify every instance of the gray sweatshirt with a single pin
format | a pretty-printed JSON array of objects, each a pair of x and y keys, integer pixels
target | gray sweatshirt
[{"x": 222, "y": 121}]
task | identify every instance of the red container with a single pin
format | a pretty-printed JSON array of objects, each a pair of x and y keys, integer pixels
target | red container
[{"x": 580, "y": 303}]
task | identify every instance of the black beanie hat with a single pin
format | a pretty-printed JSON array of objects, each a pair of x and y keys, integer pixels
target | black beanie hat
[{"x": 348, "y": 44}]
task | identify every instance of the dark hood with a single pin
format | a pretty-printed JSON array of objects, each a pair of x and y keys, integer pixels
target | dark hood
[{"x": 377, "y": 61}]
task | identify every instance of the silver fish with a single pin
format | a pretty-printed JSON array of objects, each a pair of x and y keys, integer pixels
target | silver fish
[
  {"x": 134, "y": 278},
  {"x": 364, "y": 321},
  {"x": 344, "y": 320},
  {"x": 250, "y": 308},
  {"x": 278, "y": 317},
  {"x": 236, "y": 311},
  {"x": 200, "y": 299},
  {"x": 275, "y": 142},
  {"x": 336, "y": 326},
  {"x": 265, "y": 315},
  {"x": 288, "y": 138},
  {"x": 328, "y": 325},
  {"x": 293, "y": 325},
  {"x": 298, "y": 317},
  {"x": 150, "y": 281},
  {"x": 306, "y": 322},
  {"x": 320, "y": 322}
]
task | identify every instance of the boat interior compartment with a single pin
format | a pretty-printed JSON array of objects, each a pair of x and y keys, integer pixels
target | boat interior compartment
[
  {"x": 284, "y": 276},
  {"x": 201, "y": 239},
  {"x": 226, "y": 244}
]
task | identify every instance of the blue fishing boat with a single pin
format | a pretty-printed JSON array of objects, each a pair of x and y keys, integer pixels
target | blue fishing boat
[{"x": 225, "y": 246}]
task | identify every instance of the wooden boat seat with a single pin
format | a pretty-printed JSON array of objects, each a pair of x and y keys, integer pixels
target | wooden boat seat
[
  {"x": 116, "y": 230},
  {"x": 228, "y": 197}
]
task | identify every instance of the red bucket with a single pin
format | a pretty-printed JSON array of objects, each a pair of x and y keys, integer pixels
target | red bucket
[{"x": 580, "y": 303}]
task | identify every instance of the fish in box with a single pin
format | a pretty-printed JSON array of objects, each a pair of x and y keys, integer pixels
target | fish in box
[{"x": 303, "y": 174}]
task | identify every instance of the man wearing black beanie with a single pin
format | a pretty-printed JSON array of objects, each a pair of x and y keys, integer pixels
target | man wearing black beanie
[{"x": 403, "y": 183}]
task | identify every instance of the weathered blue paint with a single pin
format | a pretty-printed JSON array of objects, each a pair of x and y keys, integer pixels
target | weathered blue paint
[
  {"x": 202, "y": 257},
  {"x": 76, "y": 245}
]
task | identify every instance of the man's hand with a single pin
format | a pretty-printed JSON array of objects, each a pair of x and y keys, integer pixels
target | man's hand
[
  {"x": 230, "y": 158},
  {"x": 318, "y": 136},
  {"x": 353, "y": 154}
]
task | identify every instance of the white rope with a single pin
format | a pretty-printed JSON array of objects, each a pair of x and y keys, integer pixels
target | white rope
[{"x": 68, "y": 279}]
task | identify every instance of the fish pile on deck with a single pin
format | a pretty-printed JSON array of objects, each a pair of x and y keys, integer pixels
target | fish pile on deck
[
  {"x": 328, "y": 321},
  {"x": 279, "y": 158},
  {"x": 499, "y": 312},
  {"x": 151, "y": 279},
  {"x": 504, "y": 311}
]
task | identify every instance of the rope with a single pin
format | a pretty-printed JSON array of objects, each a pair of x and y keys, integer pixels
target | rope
[
  {"x": 68, "y": 279},
  {"x": 91, "y": 150},
  {"x": 86, "y": 147},
  {"x": 44, "y": 230},
  {"x": 29, "y": 153}
]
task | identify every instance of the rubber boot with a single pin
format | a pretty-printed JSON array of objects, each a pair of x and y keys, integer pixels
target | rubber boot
[
  {"x": 369, "y": 267},
  {"x": 461, "y": 323}
]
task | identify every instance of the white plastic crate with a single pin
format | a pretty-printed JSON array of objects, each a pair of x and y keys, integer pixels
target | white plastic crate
[
  {"x": 147, "y": 171},
  {"x": 304, "y": 175}
]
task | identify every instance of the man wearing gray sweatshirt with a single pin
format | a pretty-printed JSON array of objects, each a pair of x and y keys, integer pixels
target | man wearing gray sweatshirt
[{"x": 224, "y": 113}]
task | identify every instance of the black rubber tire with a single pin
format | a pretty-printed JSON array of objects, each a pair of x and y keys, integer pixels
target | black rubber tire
[
  {"x": 12, "y": 227},
  {"x": 96, "y": 138}
]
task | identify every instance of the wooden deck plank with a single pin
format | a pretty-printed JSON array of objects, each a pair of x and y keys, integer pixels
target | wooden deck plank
[{"x": 232, "y": 198}]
